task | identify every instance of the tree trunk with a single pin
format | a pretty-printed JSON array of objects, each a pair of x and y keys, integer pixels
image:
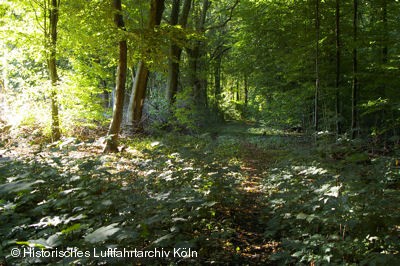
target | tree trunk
[
  {"x": 176, "y": 51},
  {"x": 217, "y": 80},
  {"x": 136, "y": 102},
  {"x": 197, "y": 82},
  {"x": 195, "y": 54},
  {"x": 115, "y": 126},
  {"x": 385, "y": 53},
  {"x": 135, "y": 108},
  {"x": 246, "y": 91},
  {"x": 237, "y": 90},
  {"x": 354, "y": 92},
  {"x": 52, "y": 66},
  {"x": 317, "y": 30},
  {"x": 385, "y": 32},
  {"x": 337, "y": 79}
]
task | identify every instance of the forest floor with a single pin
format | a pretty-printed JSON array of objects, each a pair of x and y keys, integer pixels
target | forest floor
[{"x": 239, "y": 194}]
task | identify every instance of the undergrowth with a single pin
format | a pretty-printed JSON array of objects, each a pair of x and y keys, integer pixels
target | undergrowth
[{"x": 326, "y": 204}]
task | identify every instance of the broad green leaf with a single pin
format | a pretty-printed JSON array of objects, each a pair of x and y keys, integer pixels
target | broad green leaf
[
  {"x": 102, "y": 233},
  {"x": 71, "y": 229},
  {"x": 18, "y": 186},
  {"x": 301, "y": 216}
]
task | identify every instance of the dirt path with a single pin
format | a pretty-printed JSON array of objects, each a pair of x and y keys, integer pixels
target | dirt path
[{"x": 255, "y": 249}]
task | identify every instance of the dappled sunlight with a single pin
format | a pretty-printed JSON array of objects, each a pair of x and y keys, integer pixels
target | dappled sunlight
[
  {"x": 242, "y": 132},
  {"x": 253, "y": 206}
]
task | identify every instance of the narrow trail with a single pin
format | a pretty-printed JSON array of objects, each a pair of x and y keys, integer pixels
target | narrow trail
[
  {"x": 254, "y": 248},
  {"x": 247, "y": 216}
]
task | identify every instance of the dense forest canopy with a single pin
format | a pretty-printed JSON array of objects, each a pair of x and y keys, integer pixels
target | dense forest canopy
[
  {"x": 328, "y": 64},
  {"x": 236, "y": 79}
]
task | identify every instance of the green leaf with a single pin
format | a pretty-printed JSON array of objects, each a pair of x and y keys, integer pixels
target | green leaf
[
  {"x": 37, "y": 243},
  {"x": 301, "y": 216},
  {"x": 54, "y": 240},
  {"x": 102, "y": 233},
  {"x": 17, "y": 186},
  {"x": 163, "y": 238},
  {"x": 71, "y": 229}
]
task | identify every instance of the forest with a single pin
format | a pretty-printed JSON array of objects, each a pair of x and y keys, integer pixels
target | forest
[{"x": 196, "y": 132}]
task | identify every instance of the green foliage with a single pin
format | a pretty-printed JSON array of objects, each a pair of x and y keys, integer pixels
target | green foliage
[
  {"x": 335, "y": 202},
  {"x": 331, "y": 204},
  {"x": 334, "y": 212},
  {"x": 159, "y": 197},
  {"x": 186, "y": 111}
]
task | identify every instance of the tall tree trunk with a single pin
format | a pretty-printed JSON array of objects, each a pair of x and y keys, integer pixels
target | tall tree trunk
[
  {"x": 316, "y": 100},
  {"x": 385, "y": 54},
  {"x": 115, "y": 126},
  {"x": 136, "y": 102},
  {"x": 217, "y": 80},
  {"x": 246, "y": 91},
  {"x": 196, "y": 53},
  {"x": 237, "y": 90},
  {"x": 174, "y": 53},
  {"x": 385, "y": 33},
  {"x": 354, "y": 92},
  {"x": 52, "y": 66},
  {"x": 337, "y": 79}
]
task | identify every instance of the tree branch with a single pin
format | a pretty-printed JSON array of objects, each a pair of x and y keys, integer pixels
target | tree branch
[
  {"x": 36, "y": 16},
  {"x": 223, "y": 24}
]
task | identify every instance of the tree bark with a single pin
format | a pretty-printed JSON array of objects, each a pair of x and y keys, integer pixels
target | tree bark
[
  {"x": 385, "y": 33},
  {"x": 246, "y": 91},
  {"x": 337, "y": 79},
  {"x": 195, "y": 54},
  {"x": 176, "y": 51},
  {"x": 136, "y": 102},
  {"x": 316, "y": 100},
  {"x": 217, "y": 80},
  {"x": 354, "y": 92},
  {"x": 52, "y": 66},
  {"x": 115, "y": 126},
  {"x": 135, "y": 108},
  {"x": 237, "y": 90}
]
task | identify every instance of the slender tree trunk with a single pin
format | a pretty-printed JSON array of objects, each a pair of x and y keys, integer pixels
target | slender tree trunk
[
  {"x": 174, "y": 53},
  {"x": 203, "y": 83},
  {"x": 115, "y": 126},
  {"x": 52, "y": 66},
  {"x": 354, "y": 92},
  {"x": 217, "y": 80},
  {"x": 385, "y": 32},
  {"x": 237, "y": 90},
  {"x": 337, "y": 80},
  {"x": 135, "y": 108},
  {"x": 136, "y": 102},
  {"x": 175, "y": 50},
  {"x": 317, "y": 30},
  {"x": 385, "y": 54},
  {"x": 173, "y": 73},
  {"x": 246, "y": 91}
]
